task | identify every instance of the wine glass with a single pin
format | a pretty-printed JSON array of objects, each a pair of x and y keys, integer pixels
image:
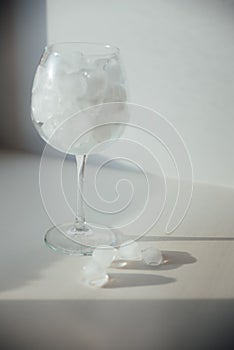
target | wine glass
[{"x": 74, "y": 88}]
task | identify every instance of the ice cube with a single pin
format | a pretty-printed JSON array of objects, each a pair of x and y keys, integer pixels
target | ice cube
[
  {"x": 152, "y": 256},
  {"x": 96, "y": 85},
  {"x": 89, "y": 62},
  {"x": 103, "y": 255},
  {"x": 70, "y": 135},
  {"x": 93, "y": 275},
  {"x": 40, "y": 79},
  {"x": 73, "y": 86},
  {"x": 46, "y": 95},
  {"x": 130, "y": 250},
  {"x": 48, "y": 129},
  {"x": 45, "y": 104},
  {"x": 72, "y": 90},
  {"x": 117, "y": 261},
  {"x": 101, "y": 63},
  {"x": 72, "y": 62},
  {"x": 114, "y": 70},
  {"x": 111, "y": 119},
  {"x": 115, "y": 93},
  {"x": 54, "y": 67}
]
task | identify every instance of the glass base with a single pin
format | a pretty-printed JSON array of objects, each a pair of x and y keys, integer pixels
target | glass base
[{"x": 72, "y": 240}]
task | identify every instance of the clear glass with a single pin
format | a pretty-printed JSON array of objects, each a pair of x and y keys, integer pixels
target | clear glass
[{"x": 71, "y": 78}]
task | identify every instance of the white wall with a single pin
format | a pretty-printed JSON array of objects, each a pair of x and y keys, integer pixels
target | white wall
[{"x": 179, "y": 57}]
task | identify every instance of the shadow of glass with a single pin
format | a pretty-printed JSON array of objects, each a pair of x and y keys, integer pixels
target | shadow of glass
[{"x": 122, "y": 280}]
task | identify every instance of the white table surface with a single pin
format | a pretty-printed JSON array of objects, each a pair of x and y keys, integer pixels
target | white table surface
[{"x": 185, "y": 303}]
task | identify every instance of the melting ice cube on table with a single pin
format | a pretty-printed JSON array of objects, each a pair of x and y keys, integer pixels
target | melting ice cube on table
[
  {"x": 152, "y": 256},
  {"x": 130, "y": 250},
  {"x": 103, "y": 255},
  {"x": 93, "y": 275}
]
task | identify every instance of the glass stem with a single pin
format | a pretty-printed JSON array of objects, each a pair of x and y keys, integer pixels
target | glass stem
[{"x": 80, "y": 216}]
